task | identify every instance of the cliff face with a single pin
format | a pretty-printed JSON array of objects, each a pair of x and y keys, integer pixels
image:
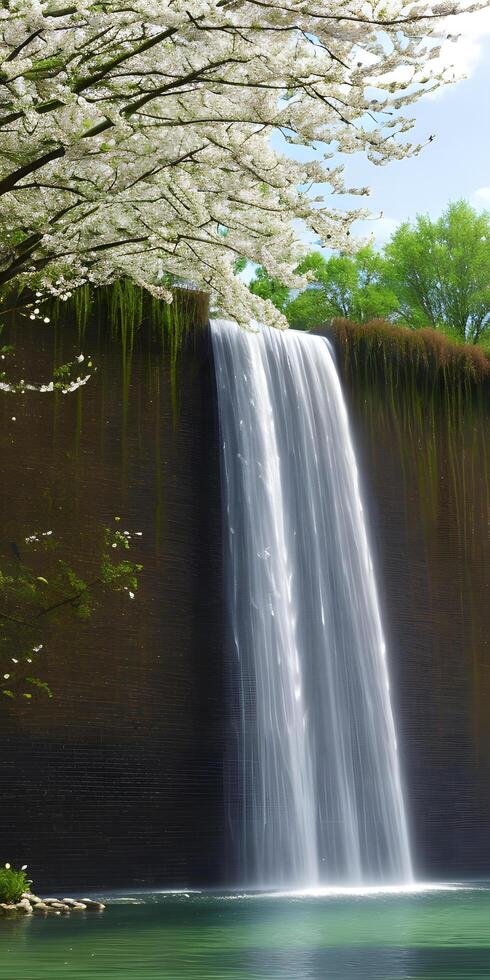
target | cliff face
[
  {"x": 119, "y": 778},
  {"x": 420, "y": 415}
]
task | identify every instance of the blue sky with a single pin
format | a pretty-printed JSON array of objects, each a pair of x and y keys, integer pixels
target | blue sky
[{"x": 455, "y": 165}]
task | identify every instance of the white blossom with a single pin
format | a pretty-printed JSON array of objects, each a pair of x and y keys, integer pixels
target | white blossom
[
  {"x": 65, "y": 387},
  {"x": 135, "y": 139},
  {"x": 74, "y": 385}
]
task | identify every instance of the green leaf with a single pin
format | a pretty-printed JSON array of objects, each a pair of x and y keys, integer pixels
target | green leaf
[{"x": 36, "y": 682}]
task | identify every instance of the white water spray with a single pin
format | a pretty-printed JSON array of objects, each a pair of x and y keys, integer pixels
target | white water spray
[{"x": 320, "y": 798}]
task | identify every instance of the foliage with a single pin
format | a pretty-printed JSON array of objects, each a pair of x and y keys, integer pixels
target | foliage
[
  {"x": 345, "y": 286},
  {"x": 135, "y": 138},
  {"x": 308, "y": 309},
  {"x": 269, "y": 288},
  {"x": 13, "y": 884},
  {"x": 37, "y": 587},
  {"x": 431, "y": 273},
  {"x": 440, "y": 271}
]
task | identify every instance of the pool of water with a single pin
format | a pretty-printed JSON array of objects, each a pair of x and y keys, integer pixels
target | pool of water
[{"x": 423, "y": 935}]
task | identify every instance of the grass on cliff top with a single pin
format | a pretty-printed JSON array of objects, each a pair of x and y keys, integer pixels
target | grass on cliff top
[{"x": 418, "y": 348}]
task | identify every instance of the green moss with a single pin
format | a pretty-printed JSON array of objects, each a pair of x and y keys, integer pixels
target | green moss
[
  {"x": 429, "y": 397},
  {"x": 123, "y": 308},
  {"x": 421, "y": 405},
  {"x": 122, "y": 304}
]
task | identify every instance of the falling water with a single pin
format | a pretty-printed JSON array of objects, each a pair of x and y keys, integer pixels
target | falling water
[{"x": 320, "y": 798}]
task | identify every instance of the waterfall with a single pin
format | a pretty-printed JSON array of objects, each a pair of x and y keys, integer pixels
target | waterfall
[{"x": 318, "y": 797}]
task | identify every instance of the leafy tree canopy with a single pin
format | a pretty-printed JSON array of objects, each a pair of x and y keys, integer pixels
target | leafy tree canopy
[
  {"x": 346, "y": 286},
  {"x": 269, "y": 288},
  {"x": 440, "y": 271},
  {"x": 431, "y": 273}
]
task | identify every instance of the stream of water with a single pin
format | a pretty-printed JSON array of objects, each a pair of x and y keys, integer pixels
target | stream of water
[{"x": 318, "y": 795}]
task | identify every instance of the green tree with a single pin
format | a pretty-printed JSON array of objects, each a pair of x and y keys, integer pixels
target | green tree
[
  {"x": 266, "y": 287},
  {"x": 308, "y": 310},
  {"x": 440, "y": 272},
  {"x": 352, "y": 286},
  {"x": 341, "y": 286}
]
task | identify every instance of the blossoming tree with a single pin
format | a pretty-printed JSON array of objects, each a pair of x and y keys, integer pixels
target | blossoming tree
[{"x": 135, "y": 139}]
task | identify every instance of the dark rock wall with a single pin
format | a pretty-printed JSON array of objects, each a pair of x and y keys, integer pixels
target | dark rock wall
[
  {"x": 422, "y": 441},
  {"x": 118, "y": 780}
]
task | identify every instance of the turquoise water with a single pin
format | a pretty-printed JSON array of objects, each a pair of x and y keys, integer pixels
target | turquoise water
[{"x": 435, "y": 935}]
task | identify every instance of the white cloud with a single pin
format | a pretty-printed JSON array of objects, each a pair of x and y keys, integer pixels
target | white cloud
[
  {"x": 464, "y": 40},
  {"x": 482, "y": 195},
  {"x": 464, "y": 54},
  {"x": 384, "y": 228},
  {"x": 380, "y": 228}
]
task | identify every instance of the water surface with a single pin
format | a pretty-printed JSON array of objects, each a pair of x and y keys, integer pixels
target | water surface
[{"x": 434, "y": 935}]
